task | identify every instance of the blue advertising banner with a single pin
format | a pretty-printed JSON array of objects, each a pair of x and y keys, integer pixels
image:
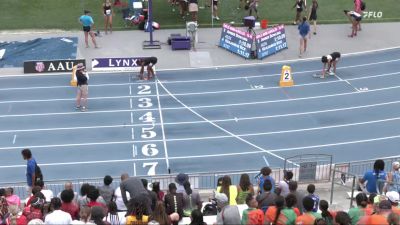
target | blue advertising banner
[
  {"x": 271, "y": 41},
  {"x": 236, "y": 41}
]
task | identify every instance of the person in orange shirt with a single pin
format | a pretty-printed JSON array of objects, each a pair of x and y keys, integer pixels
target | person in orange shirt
[
  {"x": 381, "y": 217},
  {"x": 308, "y": 216},
  {"x": 252, "y": 215},
  {"x": 279, "y": 215}
]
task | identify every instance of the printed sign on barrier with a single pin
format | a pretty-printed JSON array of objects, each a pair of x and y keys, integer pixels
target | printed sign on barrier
[
  {"x": 51, "y": 66},
  {"x": 116, "y": 64},
  {"x": 271, "y": 41},
  {"x": 236, "y": 41}
]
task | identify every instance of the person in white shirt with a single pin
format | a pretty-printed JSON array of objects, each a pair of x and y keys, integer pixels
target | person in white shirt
[
  {"x": 47, "y": 193},
  {"x": 84, "y": 214},
  {"x": 119, "y": 201},
  {"x": 57, "y": 217},
  {"x": 284, "y": 184}
]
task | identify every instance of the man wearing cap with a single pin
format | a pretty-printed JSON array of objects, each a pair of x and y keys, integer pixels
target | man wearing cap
[
  {"x": 83, "y": 90},
  {"x": 87, "y": 22},
  {"x": 227, "y": 214},
  {"x": 393, "y": 181},
  {"x": 329, "y": 62},
  {"x": 180, "y": 179},
  {"x": 394, "y": 198}
]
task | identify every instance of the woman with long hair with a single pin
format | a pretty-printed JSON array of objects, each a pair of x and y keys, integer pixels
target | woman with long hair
[
  {"x": 197, "y": 218},
  {"x": 108, "y": 14},
  {"x": 228, "y": 189},
  {"x": 15, "y": 218},
  {"x": 191, "y": 199},
  {"x": 244, "y": 188},
  {"x": 97, "y": 215},
  {"x": 137, "y": 209},
  {"x": 157, "y": 190},
  {"x": 112, "y": 216},
  {"x": 85, "y": 216},
  {"x": 326, "y": 215},
  {"x": 159, "y": 214},
  {"x": 273, "y": 214},
  {"x": 361, "y": 210}
]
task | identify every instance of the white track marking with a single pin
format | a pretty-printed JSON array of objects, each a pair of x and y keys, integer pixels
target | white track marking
[
  {"x": 215, "y": 121},
  {"x": 275, "y": 75},
  {"x": 162, "y": 124},
  {"x": 130, "y": 103},
  {"x": 131, "y": 117},
  {"x": 204, "y": 80},
  {"x": 205, "y": 106},
  {"x": 265, "y": 160},
  {"x": 134, "y": 151},
  {"x": 352, "y": 86},
  {"x": 204, "y": 93},
  {"x": 210, "y": 67},
  {"x": 14, "y": 139},
  {"x": 217, "y": 126},
  {"x": 130, "y": 90},
  {"x": 212, "y": 155},
  {"x": 134, "y": 169},
  {"x": 133, "y": 133}
]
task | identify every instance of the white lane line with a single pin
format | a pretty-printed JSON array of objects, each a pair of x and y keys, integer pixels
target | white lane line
[
  {"x": 134, "y": 169},
  {"x": 265, "y": 160},
  {"x": 214, "y": 155},
  {"x": 204, "y": 93},
  {"x": 209, "y": 67},
  {"x": 282, "y": 61},
  {"x": 204, "y": 106},
  {"x": 352, "y": 86},
  {"x": 131, "y": 117},
  {"x": 133, "y": 134},
  {"x": 162, "y": 124},
  {"x": 217, "y": 126},
  {"x": 205, "y": 80},
  {"x": 15, "y": 138},
  {"x": 215, "y": 121},
  {"x": 134, "y": 151},
  {"x": 130, "y": 103},
  {"x": 277, "y": 74},
  {"x": 130, "y": 90}
]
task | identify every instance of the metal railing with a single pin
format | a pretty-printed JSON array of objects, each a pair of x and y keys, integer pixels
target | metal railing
[
  {"x": 197, "y": 180},
  {"x": 208, "y": 180}
]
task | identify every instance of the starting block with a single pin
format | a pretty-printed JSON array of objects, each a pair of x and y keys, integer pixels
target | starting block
[
  {"x": 73, "y": 81},
  {"x": 286, "y": 77}
]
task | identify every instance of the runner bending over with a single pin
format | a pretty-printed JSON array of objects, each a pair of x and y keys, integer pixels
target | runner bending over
[
  {"x": 330, "y": 62},
  {"x": 149, "y": 62}
]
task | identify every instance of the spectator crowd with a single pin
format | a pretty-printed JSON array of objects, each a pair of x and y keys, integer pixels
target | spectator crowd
[{"x": 135, "y": 201}]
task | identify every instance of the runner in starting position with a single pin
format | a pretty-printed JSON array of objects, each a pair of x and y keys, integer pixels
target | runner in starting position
[
  {"x": 149, "y": 62},
  {"x": 330, "y": 60}
]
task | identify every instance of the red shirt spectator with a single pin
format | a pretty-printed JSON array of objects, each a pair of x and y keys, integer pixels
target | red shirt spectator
[
  {"x": 68, "y": 205},
  {"x": 14, "y": 218},
  {"x": 32, "y": 213}
]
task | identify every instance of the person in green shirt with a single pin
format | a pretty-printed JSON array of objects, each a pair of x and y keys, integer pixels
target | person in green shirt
[
  {"x": 252, "y": 215},
  {"x": 361, "y": 210}
]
